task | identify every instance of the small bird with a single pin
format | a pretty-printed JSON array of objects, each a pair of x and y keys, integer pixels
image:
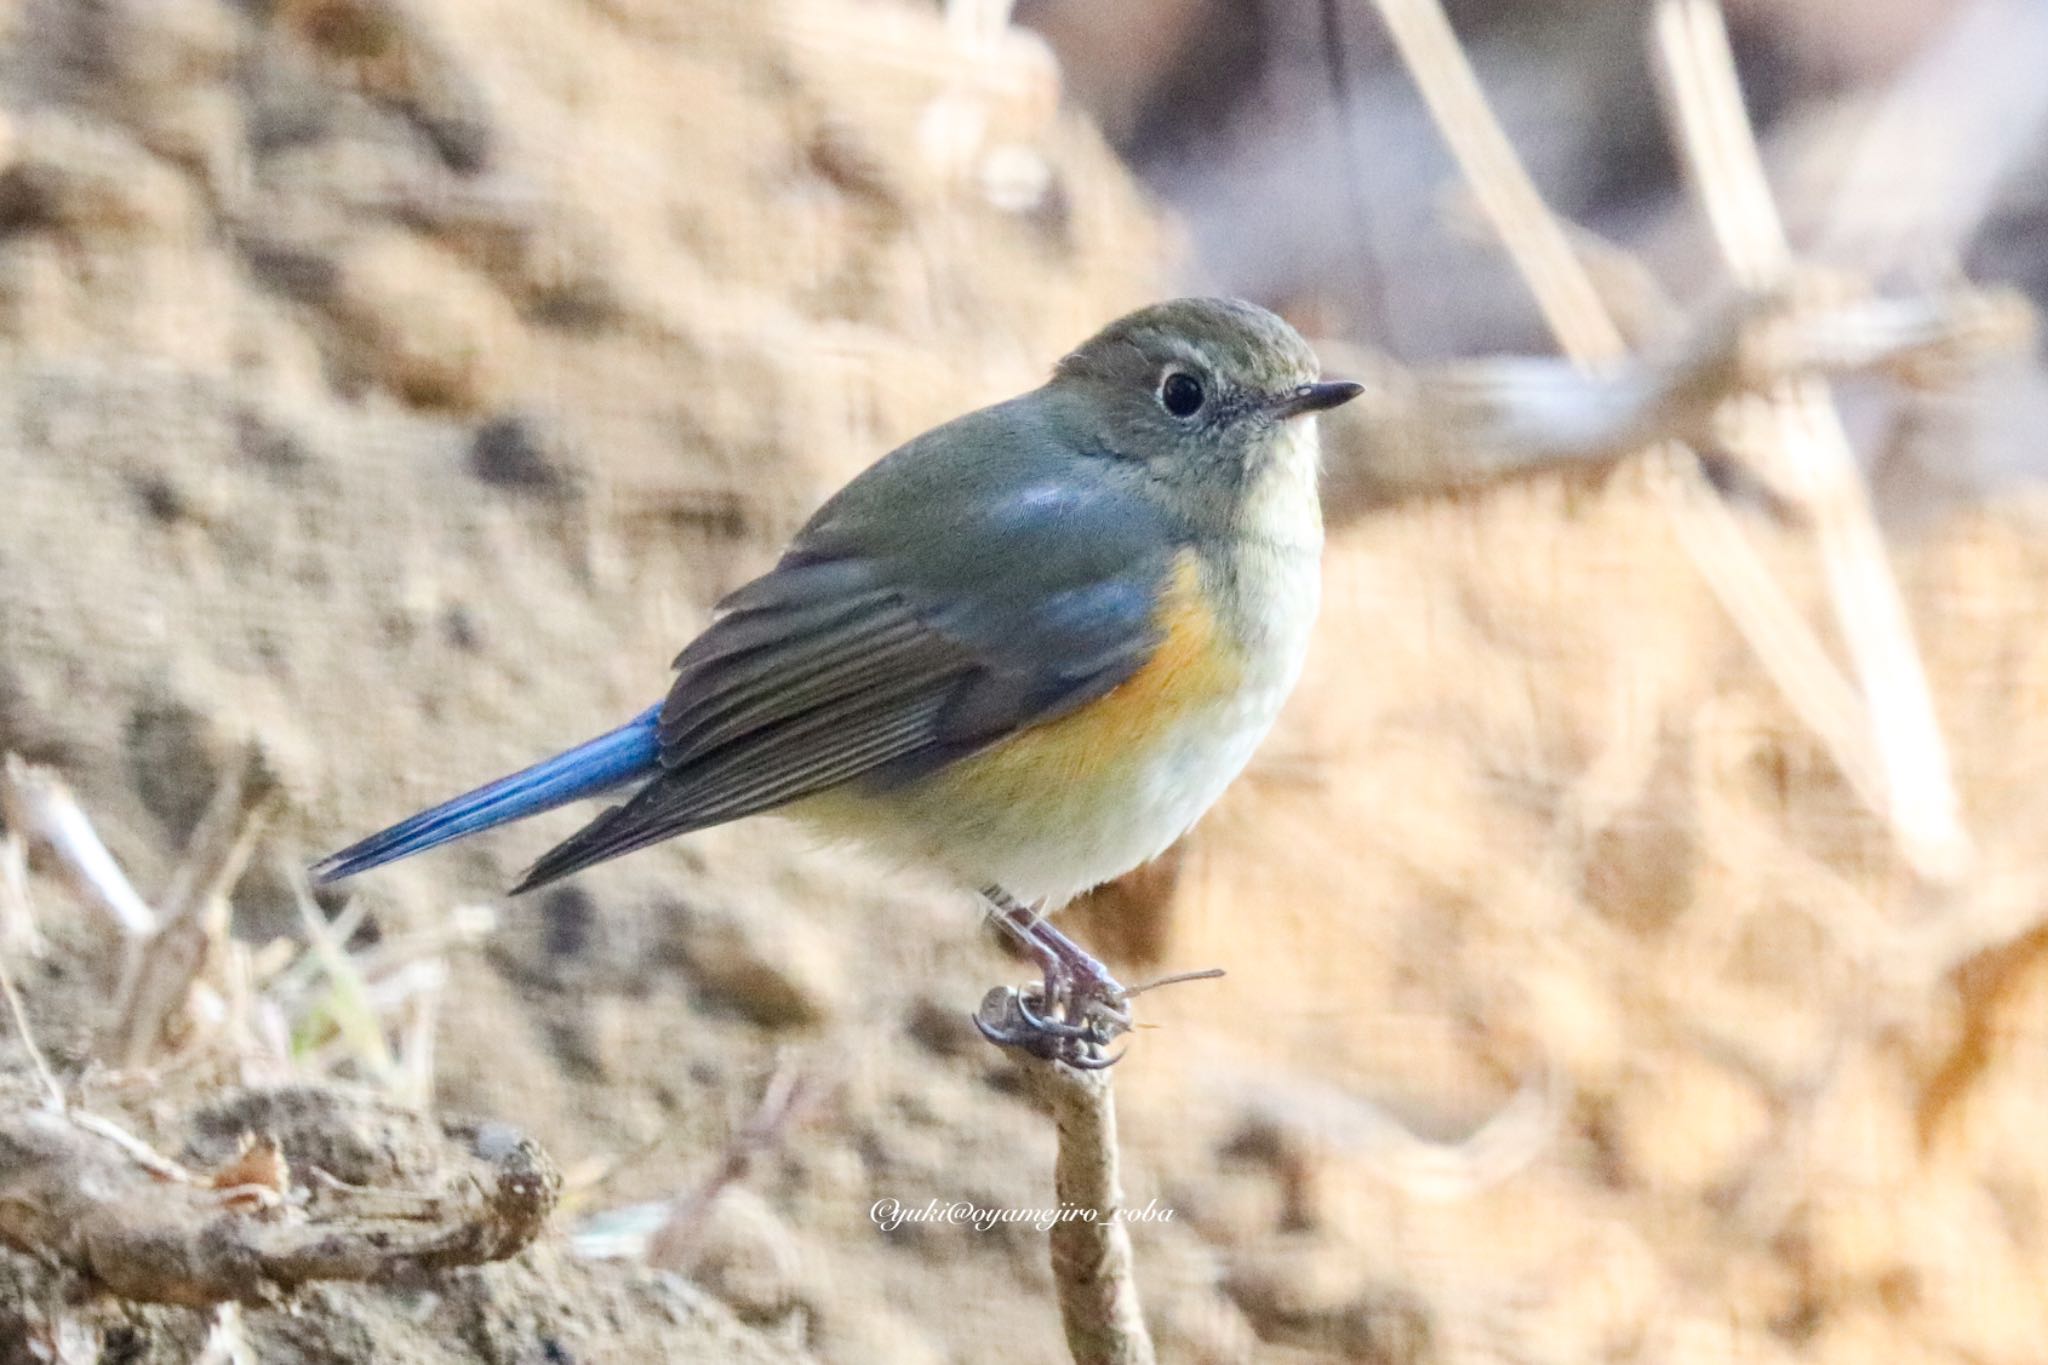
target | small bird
[{"x": 1030, "y": 647}]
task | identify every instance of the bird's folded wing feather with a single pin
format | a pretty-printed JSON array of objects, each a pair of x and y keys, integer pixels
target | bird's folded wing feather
[{"x": 874, "y": 653}]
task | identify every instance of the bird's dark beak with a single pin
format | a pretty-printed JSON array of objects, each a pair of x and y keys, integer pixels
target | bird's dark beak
[{"x": 1317, "y": 397}]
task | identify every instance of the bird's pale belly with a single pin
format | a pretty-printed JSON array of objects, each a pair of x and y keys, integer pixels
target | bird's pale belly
[{"x": 1067, "y": 805}]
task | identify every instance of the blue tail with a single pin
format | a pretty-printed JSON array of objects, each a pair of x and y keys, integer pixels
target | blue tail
[{"x": 633, "y": 750}]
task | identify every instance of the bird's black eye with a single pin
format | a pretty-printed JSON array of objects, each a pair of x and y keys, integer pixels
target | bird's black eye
[{"x": 1181, "y": 394}]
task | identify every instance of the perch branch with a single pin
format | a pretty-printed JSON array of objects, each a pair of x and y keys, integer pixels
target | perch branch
[{"x": 1091, "y": 1253}]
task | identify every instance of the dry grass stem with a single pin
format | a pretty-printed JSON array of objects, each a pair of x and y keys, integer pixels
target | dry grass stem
[
  {"x": 347, "y": 1005},
  {"x": 41, "y": 810},
  {"x": 1924, "y": 817},
  {"x": 414, "y": 1083},
  {"x": 1531, "y": 235},
  {"x": 226, "y": 835},
  {"x": 1818, "y": 465},
  {"x": 17, "y": 1014},
  {"x": 20, "y": 935}
]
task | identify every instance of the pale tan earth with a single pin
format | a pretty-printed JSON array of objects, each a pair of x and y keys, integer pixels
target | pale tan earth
[{"x": 396, "y": 386}]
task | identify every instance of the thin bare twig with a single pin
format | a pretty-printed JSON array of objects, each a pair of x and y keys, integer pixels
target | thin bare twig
[
  {"x": 353, "y": 1015},
  {"x": 18, "y": 1014},
  {"x": 790, "y": 1093},
  {"x": 1091, "y": 1252}
]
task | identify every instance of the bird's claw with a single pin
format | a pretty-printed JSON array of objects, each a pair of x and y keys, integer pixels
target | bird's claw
[{"x": 1074, "y": 1029}]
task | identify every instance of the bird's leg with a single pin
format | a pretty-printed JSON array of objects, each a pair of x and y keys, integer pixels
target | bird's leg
[
  {"x": 1090, "y": 987},
  {"x": 1082, "y": 1004},
  {"x": 1024, "y": 924}
]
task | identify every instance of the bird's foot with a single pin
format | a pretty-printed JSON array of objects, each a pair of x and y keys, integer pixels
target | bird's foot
[
  {"x": 1071, "y": 1017},
  {"x": 1076, "y": 1034}
]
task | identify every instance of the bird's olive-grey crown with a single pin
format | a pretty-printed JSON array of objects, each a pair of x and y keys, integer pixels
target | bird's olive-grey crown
[
  {"x": 1252, "y": 351},
  {"x": 1190, "y": 377}
]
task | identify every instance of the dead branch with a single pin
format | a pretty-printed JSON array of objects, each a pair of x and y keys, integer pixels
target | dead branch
[{"x": 155, "y": 1233}]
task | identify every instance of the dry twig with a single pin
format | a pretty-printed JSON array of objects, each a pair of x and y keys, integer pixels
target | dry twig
[
  {"x": 790, "y": 1093},
  {"x": 1091, "y": 1253},
  {"x": 17, "y": 1015}
]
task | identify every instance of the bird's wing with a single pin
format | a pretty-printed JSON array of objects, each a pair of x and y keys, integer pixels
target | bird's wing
[{"x": 925, "y": 613}]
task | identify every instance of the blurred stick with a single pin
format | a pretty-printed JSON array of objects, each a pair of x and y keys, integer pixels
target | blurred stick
[
  {"x": 1531, "y": 235},
  {"x": 1785, "y": 644},
  {"x": 17, "y": 1015},
  {"x": 1473, "y": 423},
  {"x": 19, "y": 932},
  {"x": 1697, "y": 68},
  {"x": 41, "y": 810}
]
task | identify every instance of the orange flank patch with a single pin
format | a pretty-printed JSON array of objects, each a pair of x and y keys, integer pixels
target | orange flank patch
[{"x": 1193, "y": 667}]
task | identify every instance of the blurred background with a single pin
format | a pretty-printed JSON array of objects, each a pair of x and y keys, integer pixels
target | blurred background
[{"x": 1637, "y": 928}]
